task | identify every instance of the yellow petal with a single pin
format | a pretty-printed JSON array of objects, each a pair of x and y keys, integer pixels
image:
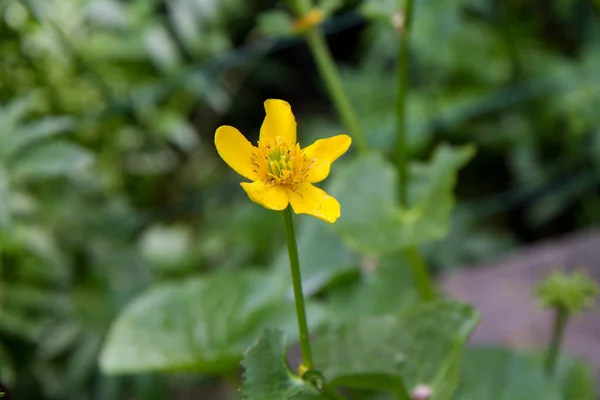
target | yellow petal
[
  {"x": 269, "y": 196},
  {"x": 279, "y": 121},
  {"x": 309, "y": 199},
  {"x": 236, "y": 151},
  {"x": 324, "y": 152}
]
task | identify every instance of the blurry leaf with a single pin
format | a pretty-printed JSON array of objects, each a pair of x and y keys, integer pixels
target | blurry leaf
[
  {"x": 28, "y": 298},
  {"x": 371, "y": 221},
  {"x": 495, "y": 373},
  {"x": 201, "y": 324},
  {"x": 185, "y": 22},
  {"x": 5, "y": 210},
  {"x": 468, "y": 242},
  {"x": 83, "y": 359},
  {"x": 421, "y": 345},
  {"x": 14, "y": 112},
  {"x": 107, "y": 12},
  {"x": 577, "y": 380},
  {"x": 267, "y": 374},
  {"x": 330, "y": 6},
  {"x": 58, "y": 340},
  {"x": 381, "y": 9},
  {"x": 166, "y": 246},
  {"x": 385, "y": 287},
  {"x": 323, "y": 257},
  {"x": 115, "y": 47},
  {"x": 41, "y": 243},
  {"x": 162, "y": 48},
  {"x": 16, "y": 324},
  {"x": 51, "y": 160},
  {"x": 276, "y": 23},
  {"x": 27, "y": 135},
  {"x": 8, "y": 371},
  {"x": 550, "y": 206}
]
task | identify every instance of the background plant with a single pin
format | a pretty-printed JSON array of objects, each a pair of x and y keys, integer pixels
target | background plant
[{"x": 110, "y": 187}]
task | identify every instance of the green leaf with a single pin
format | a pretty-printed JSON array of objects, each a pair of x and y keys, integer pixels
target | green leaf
[
  {"x": 27, "y": 135},
  {"x": 330, "y": 6},
  {"x": 496, "y": 373},
  {"x": 201, "y": 324},
  {"x": 5, "y": 199},
  {"x": 13, "y": 113},
  {"x": 162, "y": 48},
  {"x": 166, "y": 247},
  {"x": 421, "y": 345},
  {"x": 371, "y": 221},
  {"x": 380, "y": 9},
  {"x": 323, "y": 256},
  {"x": 52, "y": 160},
  {"x": 275, "y": 23},
  {"x": 386, "y": 286},
  {"x": 577, "y": 380},
  {"x": 267, "y": 374}
]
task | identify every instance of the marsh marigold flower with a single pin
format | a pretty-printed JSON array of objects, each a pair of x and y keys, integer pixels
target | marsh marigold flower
[{"x": 281, "y": 172}]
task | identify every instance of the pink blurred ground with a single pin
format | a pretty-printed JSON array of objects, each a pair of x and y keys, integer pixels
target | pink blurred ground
[{"x": 502, "y": 291}]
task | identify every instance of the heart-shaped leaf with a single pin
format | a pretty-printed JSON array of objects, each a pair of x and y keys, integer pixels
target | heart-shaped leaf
[
  {"x": 267, "y": 374},
  {"x": 372, "y": 222},
  {"x": 202, "y": 324},
  {"x": 420, "y": 346}
]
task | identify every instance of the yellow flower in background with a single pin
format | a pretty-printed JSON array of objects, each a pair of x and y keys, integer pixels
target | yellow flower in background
[{"x": 281, "y": 172}]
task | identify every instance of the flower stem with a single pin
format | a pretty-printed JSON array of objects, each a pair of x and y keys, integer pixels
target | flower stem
[
  {"x": 290, "y": 236},
  {"x": 421, "y": 274},
  {"x": 402, "y": 65},
  {"x": 561, "y": 318},
  {"x": 332, "y": 80},
  {"x": 417, "y": 263},
  {"x": 329, "y": 74}
]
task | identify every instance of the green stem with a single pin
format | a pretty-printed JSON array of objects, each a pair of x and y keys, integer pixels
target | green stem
[
  {"x": 332, "y": 80},
  {"x": 329, "y": 74},
  {"x": 421, "y": 274},
  {"x": 290, "y": 236},
  {"x": 561, "y": 318},
  {"x": 402, "y": 65},
  {"x": 419, "y": 267}
]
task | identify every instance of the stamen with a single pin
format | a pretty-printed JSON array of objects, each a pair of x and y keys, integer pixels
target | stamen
[{"x": 283, "y": 165}]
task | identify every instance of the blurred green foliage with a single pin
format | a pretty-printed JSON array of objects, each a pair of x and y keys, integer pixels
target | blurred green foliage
[{"x": 112, "y": 197}]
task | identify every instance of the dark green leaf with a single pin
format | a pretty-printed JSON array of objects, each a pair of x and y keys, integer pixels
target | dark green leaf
[{"x": 267, "y": 375}]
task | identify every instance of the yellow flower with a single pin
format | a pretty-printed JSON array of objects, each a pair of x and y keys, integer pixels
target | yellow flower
[{"x": 281, "y": 172}]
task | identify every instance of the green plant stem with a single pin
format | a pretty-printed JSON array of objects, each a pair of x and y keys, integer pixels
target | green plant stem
[
  {"x": 561, "y": 318},
  {"x": 419, "y": 268},
  {"x": 421, "y": 274},
  {"x": 290, "y": 236},
  {"x": 402, "y": 70},
  {"x": 333, "y": 82},
  {"x": 330, "y": 75}
]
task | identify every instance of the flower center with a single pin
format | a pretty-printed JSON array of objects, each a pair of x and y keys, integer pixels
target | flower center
[{"x": 279, "y": 163}]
